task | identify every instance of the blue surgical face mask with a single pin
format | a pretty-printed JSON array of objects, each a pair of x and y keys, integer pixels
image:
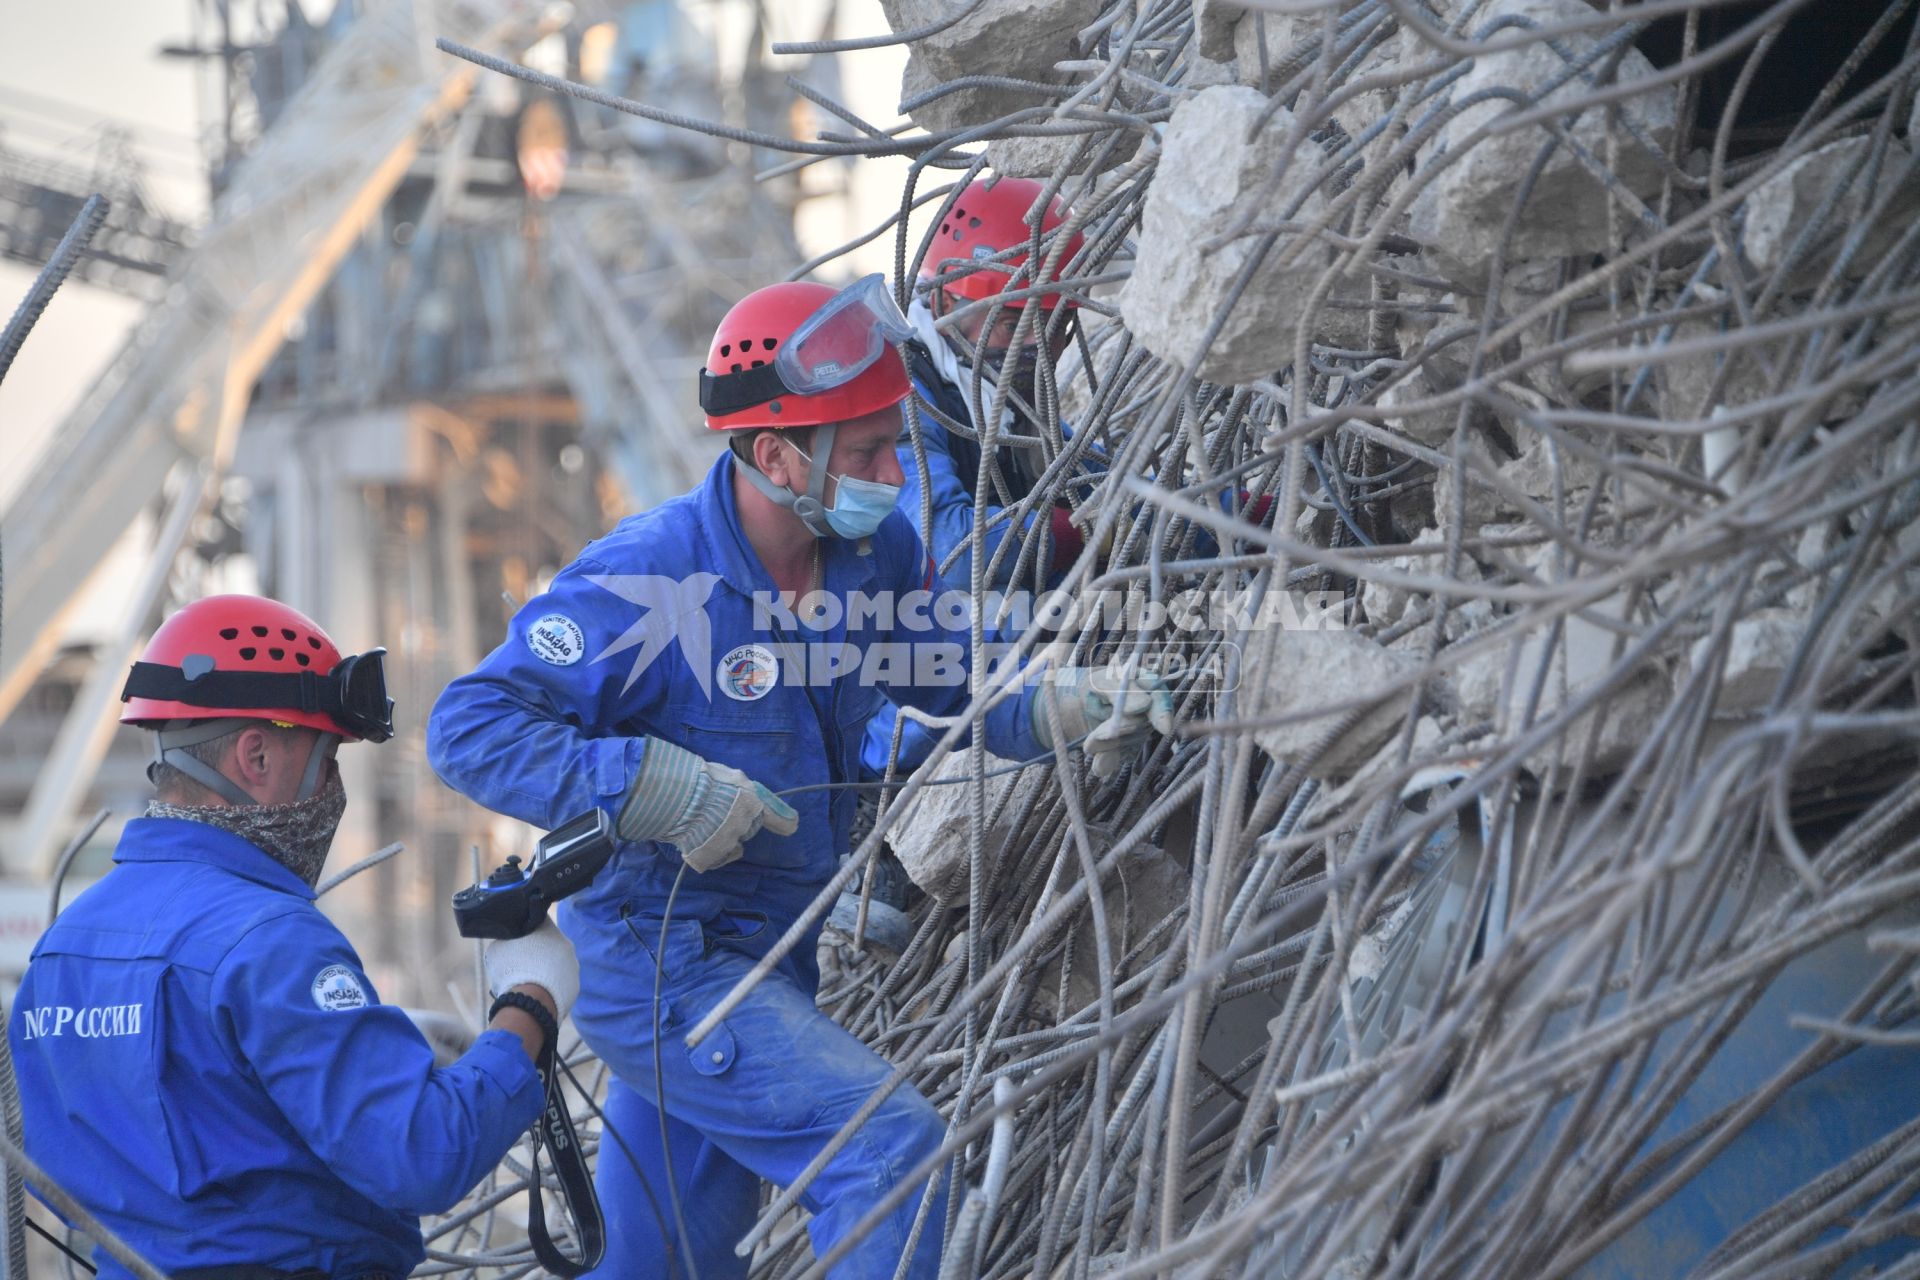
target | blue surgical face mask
[{"x": 858, "y": 505}]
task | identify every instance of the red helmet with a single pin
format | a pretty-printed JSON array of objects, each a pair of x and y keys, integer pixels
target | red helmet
[
  {"x": 246, "y": 657},
  {"x": 988, "y": 218},
  {"x": 749, "y": 338}
]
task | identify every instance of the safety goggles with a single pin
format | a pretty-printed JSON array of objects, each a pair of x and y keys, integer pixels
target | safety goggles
[
  {"x": 361, "y": 684},
  {"x": 353, "y": 694},
  {"x": 832, "y": 347}
]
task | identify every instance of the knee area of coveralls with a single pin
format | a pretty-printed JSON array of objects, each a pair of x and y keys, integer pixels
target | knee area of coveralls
[
  {"x": 758, "y": 1098},
  {"x": 883, "y": 1154}
]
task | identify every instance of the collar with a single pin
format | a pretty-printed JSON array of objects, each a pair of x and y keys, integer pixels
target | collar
[
  {"x": 182, "y": 840},
  {"x": 844, "y": 565}
]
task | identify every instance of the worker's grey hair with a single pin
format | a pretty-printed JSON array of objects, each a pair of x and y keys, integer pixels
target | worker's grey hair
[{"x": 170, "y": 784}]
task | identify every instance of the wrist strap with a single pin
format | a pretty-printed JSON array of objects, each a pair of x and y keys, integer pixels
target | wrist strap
[
  {"x": 554, "y": 1131},
  {"x": 526, "y": 1004}
]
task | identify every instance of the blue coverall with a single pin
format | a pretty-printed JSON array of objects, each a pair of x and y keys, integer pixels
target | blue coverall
[
  {"x": 652, "y": 632},
  {"x": 953, "y": 472},
  {"x": 203, "y": 1063}
]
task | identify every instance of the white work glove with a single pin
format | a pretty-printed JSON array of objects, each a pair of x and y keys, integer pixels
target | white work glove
[
  {"x": 543, "y": 958},
  {"x": 1108, "y": 708},
  {"x": 705, "y": 810},
  {"x": 448, "y": 1036}
]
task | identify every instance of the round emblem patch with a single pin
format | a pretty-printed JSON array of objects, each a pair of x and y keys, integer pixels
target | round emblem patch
[
  {"x": 749, "y": 672},
  {"x": 335, "y": 988},
  {"x": 557, "y": 639}
]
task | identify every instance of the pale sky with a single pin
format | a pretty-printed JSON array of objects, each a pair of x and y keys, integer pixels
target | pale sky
[{"x": 100, "y": 56}]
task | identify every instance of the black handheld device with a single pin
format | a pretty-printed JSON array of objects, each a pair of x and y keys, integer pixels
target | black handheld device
[{"x": 511, "y": 902}]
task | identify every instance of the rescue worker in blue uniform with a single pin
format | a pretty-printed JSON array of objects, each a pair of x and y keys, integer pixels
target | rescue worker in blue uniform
[
  {"x": 986, "y": 220},
  {"x": 202, "y": 1061},
  {"x": 703, "y": 674}
]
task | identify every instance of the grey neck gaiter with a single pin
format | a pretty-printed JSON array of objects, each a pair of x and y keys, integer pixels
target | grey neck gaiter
[{"x": 296, "y": 835}]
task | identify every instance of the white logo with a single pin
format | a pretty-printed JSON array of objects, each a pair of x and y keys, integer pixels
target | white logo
[
  {"x": 981, "y": 252},
  {"x": 674, "y": 609},
  {"x": 748, "y": 673},
  {"x": 557, "y": 639},
  {"x": 335, "y": 988}
]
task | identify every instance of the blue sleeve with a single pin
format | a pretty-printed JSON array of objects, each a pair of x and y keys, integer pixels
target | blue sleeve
[
  {"x": 535, "y": 732},
  {"x": 940, "y": 684},
  {"x": 952, "y": 510},
  {"x": 354, "y": 1077}
]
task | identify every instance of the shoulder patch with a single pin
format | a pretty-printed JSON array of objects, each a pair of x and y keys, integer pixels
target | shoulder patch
[
  {"x": 336, "y": 988},
  {"x": 557, "y": 640}
]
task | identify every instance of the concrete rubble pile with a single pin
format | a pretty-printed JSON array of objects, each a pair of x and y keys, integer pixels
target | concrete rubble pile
[{"x": 1543, "y": 806}]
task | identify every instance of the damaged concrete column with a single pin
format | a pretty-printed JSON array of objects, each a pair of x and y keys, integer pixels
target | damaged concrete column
[
  {"x": 1218, "y": 158},
  {"x": 1461, "y": 216},
  {"x": 1017, "y": 39}
]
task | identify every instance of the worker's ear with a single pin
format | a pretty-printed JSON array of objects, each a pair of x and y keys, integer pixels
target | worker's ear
[
  {"x": 252, "y": 762},
  {"x": 777, "y": 462}
]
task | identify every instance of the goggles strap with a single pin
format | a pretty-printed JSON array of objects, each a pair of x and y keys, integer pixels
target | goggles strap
[
  {"x": 725, "y": 393},
  {"x": 323, "y": 749},
  {"x": 251, "y": 691}
]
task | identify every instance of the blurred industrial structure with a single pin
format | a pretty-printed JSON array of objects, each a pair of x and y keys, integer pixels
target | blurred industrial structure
[
  {"x": 433, "y": 337},
  {"x": 1558, "y": 917}
]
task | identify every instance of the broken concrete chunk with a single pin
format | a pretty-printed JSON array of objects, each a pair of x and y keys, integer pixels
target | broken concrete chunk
[
  {"x": 1042, "y": 158},
  {"x": 1021, "y": 39},
  {"x": 1210, "y": 172},
  {"x": 1784, "y": 208},
  {"x": 961, "y": 109},
  {"x": 1268, "y": 44},
  {"x": 1533, "y": 472},
  {"x": 1461, "y": 215},
  {"x": 1386, "y": 603},
  {"x": 1759, "y": 648},
  {"x": 1299, "y": 672},
  {"x": 1582, "y": 658},
  {"x": 930, "y": 838},
  {"x": 1213, "y": 25}
]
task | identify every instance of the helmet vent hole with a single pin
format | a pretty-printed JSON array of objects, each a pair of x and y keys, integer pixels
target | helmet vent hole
[
  {"x": 973, "y": 222},
  {"x": 278, "y": 655},
  {"x": 248, "y": 653},
  {"x": 313, "y": 642},
  {"x": 229, "y": 633},
  {"x": 758, "y": 363},
  {"x": 736, "y": 367},
  {"x": 302, "y": 659},
  {"x": 956, "y": 235},
  {"x": 726, "y": 348},
  {"x": 746, "y": 344},
  {"x": 959, "y": 213},
  {"x": 287, "y": 633},
  {"x": 773, "y": 406},
  {"x": 768, "y": 342},
  {"x": 261, "y": 632}
]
